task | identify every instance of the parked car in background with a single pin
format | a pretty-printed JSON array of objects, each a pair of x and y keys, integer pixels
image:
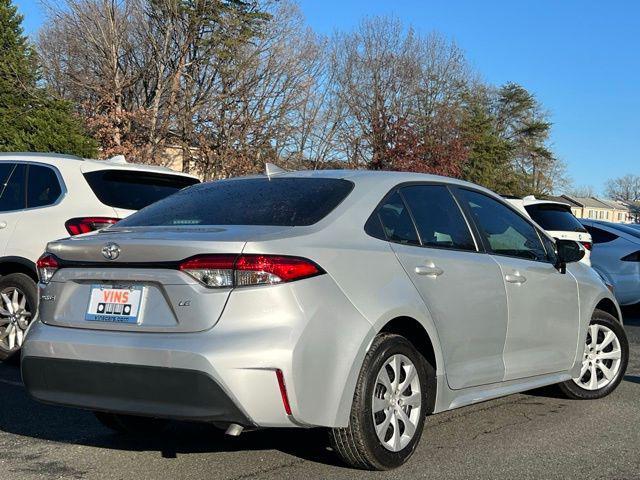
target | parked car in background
[
  {"x": 355, "y": 300},
  {"x": 556, "y": 218},
  {"x": 616, "y": 257},
  {"x": 45, "y": 197}
]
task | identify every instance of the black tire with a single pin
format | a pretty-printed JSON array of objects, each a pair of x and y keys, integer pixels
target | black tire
[
  {"x": 574, "y": 391},
  {"x": 28, "y": 287},
  {"x": 358, "y": 444},
  {"x": 131, "y": 424}
]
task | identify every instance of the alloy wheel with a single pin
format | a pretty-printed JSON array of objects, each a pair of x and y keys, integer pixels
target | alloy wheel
[
  {"x": 15, "y": 315},
  {"x": 602, "y": 358},
  {"x": 397, "y": 402}
]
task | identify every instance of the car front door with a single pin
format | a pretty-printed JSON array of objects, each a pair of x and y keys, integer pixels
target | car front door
[
  {"x": 543, "y": 303},
  {"x": 461, "y": 287}
]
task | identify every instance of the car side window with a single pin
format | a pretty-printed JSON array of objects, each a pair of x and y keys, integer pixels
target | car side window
[
  {"x": 12, "y": 196},
  {"x": 505, "y": 232},
  {"x": 43, "y": 186},
  {"x": 601, "y": 236},
  {"x": 396, "y": 221},
  {"x": 438, "y": 218}
]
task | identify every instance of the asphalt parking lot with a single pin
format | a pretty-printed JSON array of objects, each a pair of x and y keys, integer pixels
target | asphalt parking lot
[{"x": 533, "y": 435}]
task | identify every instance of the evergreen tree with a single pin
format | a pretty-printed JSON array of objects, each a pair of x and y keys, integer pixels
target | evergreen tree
[
  {"x": 30, "y": 119},
  {"x": 489, "y": 155}
]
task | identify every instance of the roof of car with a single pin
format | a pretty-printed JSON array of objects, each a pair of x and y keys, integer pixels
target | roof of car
[
  {"x": 378, "y": 175},
  {"x": 531, "y": 200},
  {"x": 62, "y": 161}
]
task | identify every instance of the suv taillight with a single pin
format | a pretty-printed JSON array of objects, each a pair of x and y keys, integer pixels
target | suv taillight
[
  {"x": 76, "y": 226},
  {"x": 587, "y": 245},
  {"x": 47, "y": 265},
  {"x": 224, "y": 271}
]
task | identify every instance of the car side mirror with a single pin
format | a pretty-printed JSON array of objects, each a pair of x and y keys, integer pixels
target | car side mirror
[{"x": 568, "y": 252}]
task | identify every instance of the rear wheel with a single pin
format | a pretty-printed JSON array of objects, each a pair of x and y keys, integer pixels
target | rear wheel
[
  {"x": 604, "y": 361},
  {"x": 18, "y": 301},
  {"x": 388, "y": 410},
  {"x": 131, "y": 424}
]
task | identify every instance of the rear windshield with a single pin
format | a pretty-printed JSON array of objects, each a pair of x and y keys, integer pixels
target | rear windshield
[
  {"x": 133, "y": 190},
  {"x": 247, "y": 201},
  {"x": 555, "y": 218}
]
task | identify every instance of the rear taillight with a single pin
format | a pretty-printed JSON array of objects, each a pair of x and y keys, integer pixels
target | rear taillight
[
  {"x": 632, "y": 257},
  {"x": 220, "y": 271},
  {"x": 76, "y": 226},
  {"x": 587, "y": 245},
  {"x": 47, "y": 265},
  {"x": 215, "y": 271}
]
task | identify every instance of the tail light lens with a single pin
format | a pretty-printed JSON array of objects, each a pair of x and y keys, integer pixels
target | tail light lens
[
  {"x": 47, "y": 265},
  {"x": 214, "y": 271},
  {"x": 632, "y": 257},
  {"x": 77, "y": 226},
  {"x": 220, "y": 271},
  {"x": 587, "y": 245}
]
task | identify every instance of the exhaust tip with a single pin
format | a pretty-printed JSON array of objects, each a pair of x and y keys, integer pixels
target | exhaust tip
[{"x": 234, "y": 430}]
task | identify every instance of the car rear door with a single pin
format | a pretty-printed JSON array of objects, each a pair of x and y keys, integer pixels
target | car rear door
[
  {"x": 543, "y": 303},
  {"x": 12, "y": 199},
  {"x": 461, "y": 287}
]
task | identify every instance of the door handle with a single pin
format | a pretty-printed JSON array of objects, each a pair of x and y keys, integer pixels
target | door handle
[
  {"x": 429, "y": 270},
  {"x": 3, "y": 224},
  {"x": 515, "y": 278}
]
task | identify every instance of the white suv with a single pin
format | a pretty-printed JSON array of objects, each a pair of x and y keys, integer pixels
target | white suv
[
  {"x": 44, "y": 197},
  {"x": 556, "y": 218}
]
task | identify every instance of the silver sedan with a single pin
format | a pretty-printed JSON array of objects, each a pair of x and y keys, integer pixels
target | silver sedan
[{"x": 352, "y": 300}]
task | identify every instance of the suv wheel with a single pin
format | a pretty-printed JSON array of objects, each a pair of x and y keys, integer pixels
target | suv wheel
[
  {"x": 388, "y": 410},
  {"x": 18, "y": 301},
  {"x": 604, "y": 362}
]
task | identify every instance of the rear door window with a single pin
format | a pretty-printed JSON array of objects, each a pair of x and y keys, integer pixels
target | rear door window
[
  {"x": 553, "y": 217},
  {"x": 132, "y": 189},
  {"x": 13, "y": 192},
  {"x": 438, "y": 218},
  {"x": 282, "y": 201},
  {"x": 396, "y": 221},
  {"x": 43, "y": 186}
]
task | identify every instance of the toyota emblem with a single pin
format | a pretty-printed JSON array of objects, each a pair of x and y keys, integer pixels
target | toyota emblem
[{"x": 111, "y": 251}]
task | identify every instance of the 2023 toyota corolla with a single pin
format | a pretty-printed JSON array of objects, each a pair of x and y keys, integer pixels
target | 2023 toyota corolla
[{"x": 352, "y": 300}]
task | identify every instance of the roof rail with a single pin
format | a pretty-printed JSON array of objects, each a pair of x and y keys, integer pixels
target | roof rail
[{"x": 40, "y": 154}]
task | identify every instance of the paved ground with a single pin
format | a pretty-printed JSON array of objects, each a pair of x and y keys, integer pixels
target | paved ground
[{"x": 534, "y": 435}]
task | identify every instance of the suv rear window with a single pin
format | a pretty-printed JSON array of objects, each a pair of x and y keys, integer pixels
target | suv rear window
[
  {"x": 554, "y": 218},
  {"x": 247, "y": 201},
  {"x": 133, "y": 190}
]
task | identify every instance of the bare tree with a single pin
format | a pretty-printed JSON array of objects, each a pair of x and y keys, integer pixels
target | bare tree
[
  {"x": 584, "y": 191},
  {"x": 624, "y": 189},
  {"x": 385, "y": 74}
]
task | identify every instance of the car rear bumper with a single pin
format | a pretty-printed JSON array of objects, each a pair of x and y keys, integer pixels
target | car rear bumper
[
  {"x": 132, "y": 389},
  {"x": 307, "y": 330}
]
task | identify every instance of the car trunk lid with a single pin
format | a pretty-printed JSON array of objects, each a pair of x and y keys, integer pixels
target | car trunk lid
[{"x": 147, "y": 259}]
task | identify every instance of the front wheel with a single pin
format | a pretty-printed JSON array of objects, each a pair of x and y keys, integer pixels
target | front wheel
[
  {"x": 388, "y": 410},
  {"x": 604, "y": 362}
]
